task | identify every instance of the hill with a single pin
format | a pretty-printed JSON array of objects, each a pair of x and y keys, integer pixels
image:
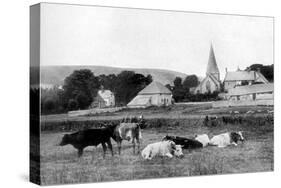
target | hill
[{"x": 55, "y": 75}]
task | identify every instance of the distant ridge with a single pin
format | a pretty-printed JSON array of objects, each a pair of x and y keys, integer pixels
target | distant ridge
[{"x": 55, "y": 75}]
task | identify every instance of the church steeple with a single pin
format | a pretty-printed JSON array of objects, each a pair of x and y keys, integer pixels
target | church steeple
[{"x": 212, "y": 67}]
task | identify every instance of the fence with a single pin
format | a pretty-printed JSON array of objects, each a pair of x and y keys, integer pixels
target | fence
[{"x": 219, "y": 104}]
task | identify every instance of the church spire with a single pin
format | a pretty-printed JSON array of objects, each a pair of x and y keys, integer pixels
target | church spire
[{"x": 212, "y": 63}]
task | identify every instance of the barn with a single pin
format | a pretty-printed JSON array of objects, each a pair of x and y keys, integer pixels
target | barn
[{"x": 155, "y": 94}]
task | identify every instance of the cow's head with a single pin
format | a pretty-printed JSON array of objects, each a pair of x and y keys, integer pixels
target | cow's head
[
  {"x": 167, "y": 137},
  {"x": 237, "y": 136},
  {"x": 176, "y": 150},
  {"x": 65, "y": 140}
]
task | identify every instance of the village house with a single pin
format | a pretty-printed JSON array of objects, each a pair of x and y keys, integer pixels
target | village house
[
  {"x": 240, "y": 77},
  {"x": 155, "y": 94},
  {"x": 104, "y": 98},
  {"x": 211, "y": 83},
  {"x": 251, "y": 92}
]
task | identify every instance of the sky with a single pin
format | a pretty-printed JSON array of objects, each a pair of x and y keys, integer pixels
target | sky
[{"x": 137, "y": 38}]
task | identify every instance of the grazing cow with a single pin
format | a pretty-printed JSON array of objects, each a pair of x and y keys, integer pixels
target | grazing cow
[
  {"x": 186, "y": 143},
  {"x": 129, "y": 132},
  {"x": 203, "y": 139},
  {"x": 89, "y": 137},
  {"x": 164, "y": 148},
  {"x": 225, "y": 139}
]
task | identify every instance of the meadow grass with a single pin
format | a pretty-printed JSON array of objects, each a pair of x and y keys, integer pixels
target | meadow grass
[{"x": 60, "y": 165}]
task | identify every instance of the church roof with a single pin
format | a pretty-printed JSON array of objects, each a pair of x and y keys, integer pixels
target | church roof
[
  {"x": 212, "y": 66},
  {"x": 240, "y": 76},
  {"x": 155, "y": 88}
]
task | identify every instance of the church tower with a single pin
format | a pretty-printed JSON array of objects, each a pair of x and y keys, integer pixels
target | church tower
[{"x": 212, "y": 67}]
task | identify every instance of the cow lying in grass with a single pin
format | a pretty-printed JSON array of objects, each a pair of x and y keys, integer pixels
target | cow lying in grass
[
  {"x": 89, "y": 137},
  {"x": 164, "y": 148},
  {"x": 203, "y": 139},
  {"x": 186, "y": 143},
  {"x": 225, "y": 139}
]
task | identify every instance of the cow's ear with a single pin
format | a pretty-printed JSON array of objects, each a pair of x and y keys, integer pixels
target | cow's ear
[{"x": 182, "y": 146}]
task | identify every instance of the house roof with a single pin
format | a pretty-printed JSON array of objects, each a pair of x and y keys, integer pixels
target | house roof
[
  {"x": 250, "y": 89},
  {"x": 155, "y": 88},
  {"x": 139, "y": 101},
  {"x": 212, "y": 66},
  {"x": 105, "y": 93},
  {"x": 239, "y": 75}
]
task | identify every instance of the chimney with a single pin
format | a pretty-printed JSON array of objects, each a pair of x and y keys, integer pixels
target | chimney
[
  {"x": 225, "y": 70},
  {"x": 258, "y": 69}
]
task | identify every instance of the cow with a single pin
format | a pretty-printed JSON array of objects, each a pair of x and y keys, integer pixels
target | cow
[
  {"x": 130, "y": 132},
  {"x": 203, "y": 139},
  {"x": 164, "y": 148},
  {"x": 89, "y": 137},
  {"x": 225, "y": 139},
  {"x": 186, "y": 143}
]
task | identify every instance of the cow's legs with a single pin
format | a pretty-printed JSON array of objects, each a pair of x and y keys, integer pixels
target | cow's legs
[
  {"x": 80, "y": 152},
  {"x": 169, "y": 155},
  {"x": 134, "y": 145},
  {"x": 119, "y": 146},
  {"x": 104, "y": 149},
  {"x": 138, "y": 142},
  {"x": 110, "y": 147}
]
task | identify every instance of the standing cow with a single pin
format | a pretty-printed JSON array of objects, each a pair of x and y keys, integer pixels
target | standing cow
[
  {"x": 130, "y": 132},
  {"x": 89, "y": 137}
]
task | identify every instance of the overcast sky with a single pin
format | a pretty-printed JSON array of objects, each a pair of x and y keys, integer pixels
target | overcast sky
[{"x": 179, "y": 41}]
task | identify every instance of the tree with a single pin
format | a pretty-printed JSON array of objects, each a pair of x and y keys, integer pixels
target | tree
[
  {"x": 81, "y": 86},
  {"x": 129, "y": 84},
  {"x": 178, "y": 91},
  {"x": 190, "y": 81},
  {"x": 266, "y": 70}
]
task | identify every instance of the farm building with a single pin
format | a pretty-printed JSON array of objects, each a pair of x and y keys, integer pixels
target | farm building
[
  {"x": 104, "y": 98},
  {"x": 211, "y": 82},
  {"x": 251, "y": 92},
  {"x": 155, "y": 94},
  {"x": 239, "y": 77}
]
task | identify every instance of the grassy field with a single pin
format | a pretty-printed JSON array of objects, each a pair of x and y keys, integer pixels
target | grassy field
[{"x": 60, "y": 165}]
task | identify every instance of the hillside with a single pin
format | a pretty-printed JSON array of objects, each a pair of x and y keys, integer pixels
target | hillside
[{"x": 55, "y": 75}]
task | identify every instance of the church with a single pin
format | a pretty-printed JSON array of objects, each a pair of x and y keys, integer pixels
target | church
[{"x": 211, "y": 83}]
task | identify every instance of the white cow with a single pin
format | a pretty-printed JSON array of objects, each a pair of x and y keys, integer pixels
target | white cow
[
  {"x": 225, "y": 139},
  {"x": 164, "y": 148},
  {"x": 203, "y": 138}
]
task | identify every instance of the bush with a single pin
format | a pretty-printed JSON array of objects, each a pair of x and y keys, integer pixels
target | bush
[{"x": 72, "y": 104}]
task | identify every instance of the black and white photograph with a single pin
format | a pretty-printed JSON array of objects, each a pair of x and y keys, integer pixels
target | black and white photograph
[{"x": 121, "y": 94}]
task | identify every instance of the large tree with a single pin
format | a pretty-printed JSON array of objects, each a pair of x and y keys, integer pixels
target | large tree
[
  {"x": 81, "y": 86},
  {"x": 266, "y": 70},
  {"x": 190, "y": 81},
  {"x": 129, "y": 84}
]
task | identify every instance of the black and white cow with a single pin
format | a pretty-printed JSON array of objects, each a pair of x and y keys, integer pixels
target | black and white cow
[{"x": 186, "y": 143}]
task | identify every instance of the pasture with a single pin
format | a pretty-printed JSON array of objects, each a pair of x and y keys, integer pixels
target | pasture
[{"x": 60, "y": 165}]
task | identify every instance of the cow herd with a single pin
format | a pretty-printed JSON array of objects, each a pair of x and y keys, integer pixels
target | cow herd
[{"x": 169, "y": 146}]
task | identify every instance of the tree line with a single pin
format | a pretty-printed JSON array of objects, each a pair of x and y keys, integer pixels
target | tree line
[{"x": 80, "y": 89}]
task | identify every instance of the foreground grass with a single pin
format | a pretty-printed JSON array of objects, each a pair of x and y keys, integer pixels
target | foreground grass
[{"x": 60, "y": 165}]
